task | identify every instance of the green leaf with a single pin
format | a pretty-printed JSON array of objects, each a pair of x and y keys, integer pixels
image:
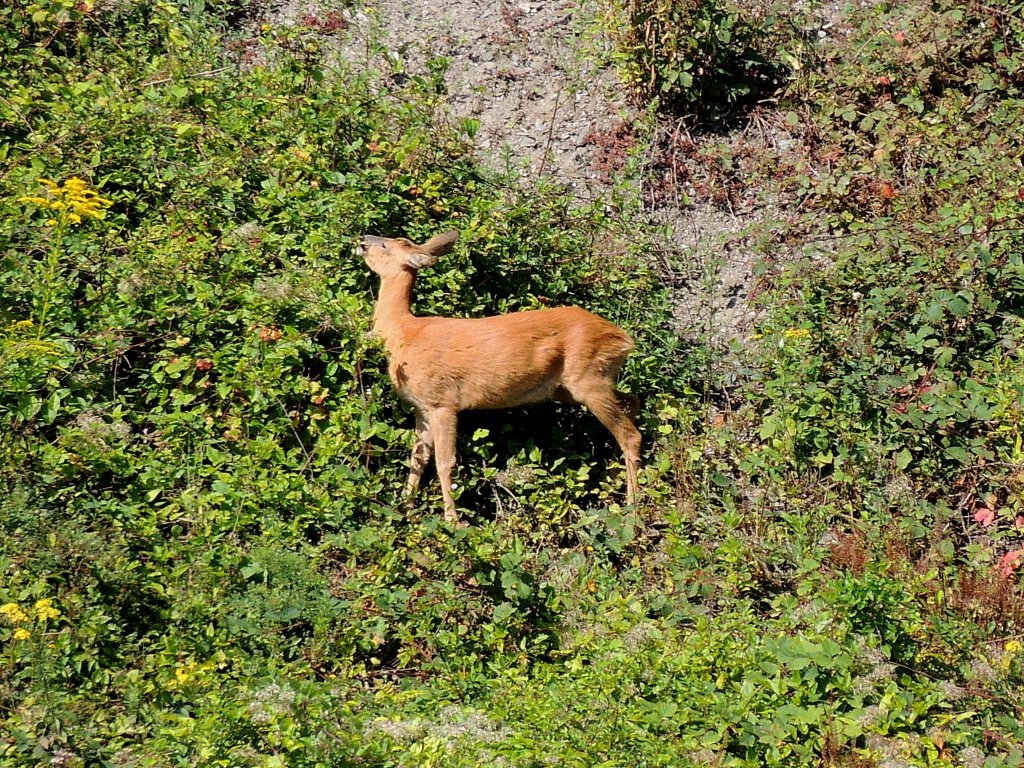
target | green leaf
[
  {"x": 52, "y": 408},
  {"x": 503, "y": 612},
  {"x": 959, "y": 306},
  {"x": 903, "y": 459},
  {"x": 711, "y": 738}
]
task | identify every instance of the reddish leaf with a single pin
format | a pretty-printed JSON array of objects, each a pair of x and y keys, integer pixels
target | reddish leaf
[{"x": 1011, "y": 561}]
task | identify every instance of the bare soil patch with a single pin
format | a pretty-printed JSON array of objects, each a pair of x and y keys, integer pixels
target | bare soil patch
[{"x": 533, "y": 75}]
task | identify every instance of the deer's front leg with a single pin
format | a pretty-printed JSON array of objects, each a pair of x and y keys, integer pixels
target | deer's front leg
[
  {"x": 443, "y": 424},
  {"x": 422, "y": 449}
]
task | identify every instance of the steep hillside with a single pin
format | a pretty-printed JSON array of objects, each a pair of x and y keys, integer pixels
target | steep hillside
[{"x": 204, "y": 557}]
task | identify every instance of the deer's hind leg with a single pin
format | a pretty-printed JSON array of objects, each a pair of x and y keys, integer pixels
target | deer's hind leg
[
  {"x": 629, "y": 403},
  {"x": 615, "y": 410}
]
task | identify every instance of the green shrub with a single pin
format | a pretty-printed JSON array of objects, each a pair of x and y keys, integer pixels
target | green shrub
[
  {"x": 899, "y": 351},
  {"x": 696, "y": 57}
]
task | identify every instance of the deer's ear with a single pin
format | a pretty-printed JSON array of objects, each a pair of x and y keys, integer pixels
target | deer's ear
[
  {"x": 419, "y": 259},
  {"x": 441, "y": 244}
]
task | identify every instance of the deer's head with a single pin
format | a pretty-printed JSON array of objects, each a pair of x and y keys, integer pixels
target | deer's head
[{"x": 388, "y": 256}]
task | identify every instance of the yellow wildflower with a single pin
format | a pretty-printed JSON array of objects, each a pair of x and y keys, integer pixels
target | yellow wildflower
[
  {"x": 188, "y": 674},
  {"x": 1011, "y": 650},
  {"x": 22, "y": 634},
  {"x": 45, "y": 610},
  {"x": 182, "y": 675},
  {"x": 74, "y": 200},
  {"x": 796, "y": 333},
  {"x": 13, "y": 613}
]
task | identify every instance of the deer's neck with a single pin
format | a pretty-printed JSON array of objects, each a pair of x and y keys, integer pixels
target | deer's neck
[{"x": 394, "y": 308}]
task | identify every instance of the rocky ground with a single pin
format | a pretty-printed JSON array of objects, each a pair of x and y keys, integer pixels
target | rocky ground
[
  {"x": 519, "y": 68},
  {"x": 534, "y": 74}
]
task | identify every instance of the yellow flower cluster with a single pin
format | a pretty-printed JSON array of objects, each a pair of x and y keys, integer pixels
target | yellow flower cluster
[
  {"x": 13, "y": 613},
  {"x": 796, "y": 333},
  {"x": 187, "y": 673},
  {"x": 72, "y": 201},
  {"x": 17, "y": 343},
  {"x": 1011, "y": 651},
  {"x": 182, "y": 674},
  {"x": 43, "y": 611}
]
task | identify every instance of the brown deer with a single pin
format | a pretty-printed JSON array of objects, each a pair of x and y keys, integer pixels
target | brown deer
[{"x": 443, "y": 365}]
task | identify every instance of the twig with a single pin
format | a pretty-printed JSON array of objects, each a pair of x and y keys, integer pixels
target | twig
[
  {"x": 217, "y": 71},
  {"x": 551, "y": 134}
]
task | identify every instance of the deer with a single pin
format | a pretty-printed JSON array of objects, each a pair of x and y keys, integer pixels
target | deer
[{"x": 444, "y": 365}]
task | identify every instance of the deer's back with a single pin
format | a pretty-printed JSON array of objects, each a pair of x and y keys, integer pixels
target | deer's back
[{"x": 496, "y": 362}]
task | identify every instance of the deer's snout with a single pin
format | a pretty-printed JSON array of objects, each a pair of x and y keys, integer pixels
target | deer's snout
[{"x": 367, "y": 242}]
